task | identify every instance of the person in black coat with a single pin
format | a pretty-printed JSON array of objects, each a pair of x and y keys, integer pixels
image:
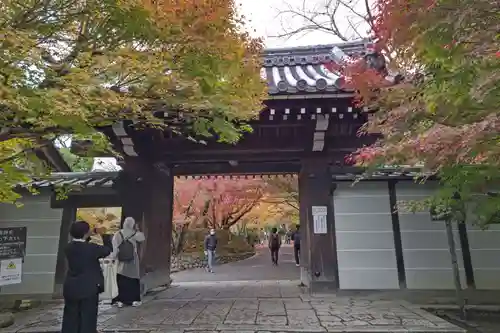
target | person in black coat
[
  {"x": 84, "y": 281},
  {"x": 296, "y": 245}
]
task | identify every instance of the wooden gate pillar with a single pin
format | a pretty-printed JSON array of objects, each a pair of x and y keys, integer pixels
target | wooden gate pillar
[
  {"x": 319, "y": 249},
  {"x": 147, "y": 196},
  {"x": 130, "y": 187},
  {"x": 158, "y": 211}
]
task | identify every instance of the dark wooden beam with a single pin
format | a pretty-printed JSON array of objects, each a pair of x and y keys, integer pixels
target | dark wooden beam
[
  {"x": 396, "y": 230},
  {"x": 194, "y": 169},
  {"x": 50, "y": 155},
  {"x": 316, "y": 187},
  {"x": 68, "y": 217},
  {"x": 466, "y": 255}
]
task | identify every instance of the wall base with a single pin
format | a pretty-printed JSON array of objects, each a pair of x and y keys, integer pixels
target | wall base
[
  {"x": 305, "y": 276},
  {"x": 154, "y": 280},
  {"x": 316, "y": 286},
  {"x": 323, "y": 287}
]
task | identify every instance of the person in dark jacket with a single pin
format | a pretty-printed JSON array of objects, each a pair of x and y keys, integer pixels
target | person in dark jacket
[
  {"x": 274, "y": 245},
  {"x": 210, "y": 247},
  {"x": 84, "y": 281},
  {"x": 296, "y": 245}
]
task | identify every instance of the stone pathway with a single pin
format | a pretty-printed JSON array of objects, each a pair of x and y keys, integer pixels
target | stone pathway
[
  {"x": 246, "y": 307},
  {"x": 256, "y": 268}
]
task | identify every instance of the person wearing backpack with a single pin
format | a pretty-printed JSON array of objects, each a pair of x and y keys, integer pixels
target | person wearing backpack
[
  {"x": 125, "y": 243},
  {"x": 274, "y": 245}
]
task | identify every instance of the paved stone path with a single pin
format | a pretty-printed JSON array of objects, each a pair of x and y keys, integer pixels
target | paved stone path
[
  {"x": 256, "y": 268},
  {"x": 246, "y": 307}
]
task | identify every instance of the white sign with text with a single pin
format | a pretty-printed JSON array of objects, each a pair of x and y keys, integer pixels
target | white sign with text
[
  {"x": 11, "y": 271},
  {"x": 319, "y": 214}
]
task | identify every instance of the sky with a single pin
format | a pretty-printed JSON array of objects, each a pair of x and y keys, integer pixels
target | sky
[
  {"x": 264, "y": 21},
  {"x": 263, "y": 16}
]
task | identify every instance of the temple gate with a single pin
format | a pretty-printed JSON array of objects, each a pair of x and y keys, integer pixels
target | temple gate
[{"x": 307, "y": 127}]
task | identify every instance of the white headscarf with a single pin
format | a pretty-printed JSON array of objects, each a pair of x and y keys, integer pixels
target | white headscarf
[{"x": 128, "y": 228}]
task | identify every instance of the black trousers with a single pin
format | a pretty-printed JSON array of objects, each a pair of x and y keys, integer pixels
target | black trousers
[
  {"x": 296, "y": 253},
  {"x": 274, "y": 255},
  {"x": 129, "y": 290},
  {"x": 80, "y": 316}
]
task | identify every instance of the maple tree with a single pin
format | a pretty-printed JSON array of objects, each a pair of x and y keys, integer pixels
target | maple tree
[
  {"x": 190, "y": 207},
  {"x": 283, "y": 195},
  {"x": 445, "y": 115},
  {"x": 216, "y": 203},
  {"x": 68, "y": 66},
  {"x": 231, "y": 200},
  {"x": 284, "y": 190}
]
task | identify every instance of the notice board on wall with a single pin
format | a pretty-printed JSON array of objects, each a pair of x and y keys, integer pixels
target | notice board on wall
[{"x": 12, "y": 252}]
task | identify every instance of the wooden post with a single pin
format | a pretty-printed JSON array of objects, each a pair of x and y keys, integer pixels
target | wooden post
[
  {"x": 130, "y": 187},
  {"x": 319, "y": 250},
  {"x": 68, "y": 217},
  {"x": 305, "y": 253},
  {"x": 158, "y": 211}
]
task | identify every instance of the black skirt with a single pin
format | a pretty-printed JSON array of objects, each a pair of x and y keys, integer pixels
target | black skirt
[{"x": 129, "y": 290}]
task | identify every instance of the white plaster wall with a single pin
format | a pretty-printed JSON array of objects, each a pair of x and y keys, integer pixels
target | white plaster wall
[
  {"x": 365, "y": 242},
  {"x": 425, "y": 247},
  {"x": 43, "y": 227},
  {"x": 485, "y": 256}
]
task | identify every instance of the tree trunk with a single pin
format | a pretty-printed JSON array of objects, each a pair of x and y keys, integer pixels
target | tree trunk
[
  {"x": 179, "y": 246},
  {"x": 454, "y": 266}
]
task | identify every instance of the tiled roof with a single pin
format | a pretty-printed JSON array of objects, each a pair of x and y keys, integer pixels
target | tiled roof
[
  {"x": 75, "y": 179},
  {"x": 385, "y": 174},
  {"x": 106, "y": 178},
  {"x": 309, "y": 69}
]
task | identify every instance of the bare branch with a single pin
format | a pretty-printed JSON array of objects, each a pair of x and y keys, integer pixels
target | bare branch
[{"x": 328, "y": 18}]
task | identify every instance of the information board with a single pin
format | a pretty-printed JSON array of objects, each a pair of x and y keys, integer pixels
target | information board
[{"x": 12, "y": 243}]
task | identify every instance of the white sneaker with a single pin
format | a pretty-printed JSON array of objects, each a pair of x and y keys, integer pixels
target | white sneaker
[
  {"x": 119, "y": 304},
  {"x": 136, "y": 304},
  {"x": 297, "y": 265}
]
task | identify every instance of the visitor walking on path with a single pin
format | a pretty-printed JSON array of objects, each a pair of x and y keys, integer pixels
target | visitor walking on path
[
  {"x": 125, "y": 243},
  {"x": 210, "y": 245},
  {"x": 84, "y": 280},
  {"x": 296, "y": 245},
  {"x": 274, "y": 245}
]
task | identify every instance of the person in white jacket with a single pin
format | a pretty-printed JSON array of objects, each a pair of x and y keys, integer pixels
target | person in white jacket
[{"x": 125, "y": 243}]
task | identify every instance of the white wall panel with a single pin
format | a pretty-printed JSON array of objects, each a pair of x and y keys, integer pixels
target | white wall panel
[
  {"x": 485, "y": 256},
  {"x": 425, "y": 246},
  {"x": 43, "y": 226},
  {"x": 365, "y": 242}
]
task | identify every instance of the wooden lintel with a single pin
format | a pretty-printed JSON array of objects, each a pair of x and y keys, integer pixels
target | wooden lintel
[{"x": 244, "y": 168}]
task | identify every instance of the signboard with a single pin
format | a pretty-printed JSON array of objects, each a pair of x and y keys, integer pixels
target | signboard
[
  {"x": 11, "y": 271},
  {"x": 12, "y": 243},
  {"x": 319, "y": 214}
]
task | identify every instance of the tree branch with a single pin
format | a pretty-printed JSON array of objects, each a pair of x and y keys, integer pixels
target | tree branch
[{"x": 332, "y": 13}]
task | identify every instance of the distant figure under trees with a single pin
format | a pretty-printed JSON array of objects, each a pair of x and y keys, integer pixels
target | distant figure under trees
[
  {"x": 296, "y": 245},
  {"x": 274, "y": 245}
]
